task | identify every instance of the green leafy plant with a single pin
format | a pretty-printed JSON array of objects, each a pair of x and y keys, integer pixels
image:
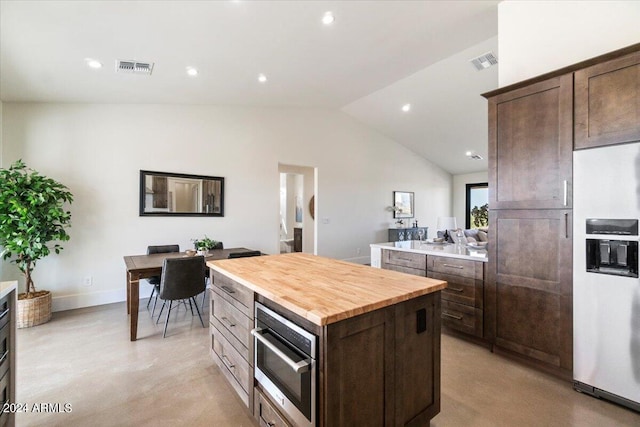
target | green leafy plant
[
  {"x": 204, "y": 244},
  {"x": 32, "y": 215},
  {"x": 480, "y": 215}
]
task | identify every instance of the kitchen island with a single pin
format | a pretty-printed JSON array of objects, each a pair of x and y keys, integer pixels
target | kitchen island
[{"x": 377, "y": 332}]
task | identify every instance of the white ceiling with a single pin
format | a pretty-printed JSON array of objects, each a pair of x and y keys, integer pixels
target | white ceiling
[{"x": 377, "y": 56}]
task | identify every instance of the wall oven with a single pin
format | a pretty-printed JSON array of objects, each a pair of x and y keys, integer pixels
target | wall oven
[{"x": 285, "y": 364}]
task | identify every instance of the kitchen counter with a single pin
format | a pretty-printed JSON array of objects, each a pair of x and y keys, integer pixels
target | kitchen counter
[
  {"x": 450, "y": 250},
  {"x": 376, "y": 330},
  {"x": 324, "y": 290}
]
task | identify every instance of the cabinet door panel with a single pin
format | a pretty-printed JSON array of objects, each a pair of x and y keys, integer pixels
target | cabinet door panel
[
  {"x": 529, "y": 285},
  {"x": 417, "y": 350},
  {"x": 358, "y": 370},
  {"x": 530, "y": 146},
  {"x": 607, "y": 103}
]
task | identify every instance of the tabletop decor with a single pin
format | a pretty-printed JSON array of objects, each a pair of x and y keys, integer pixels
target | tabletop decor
[
  {"x": 32, "y": 214},
  {"x": 204, "y": 245}
]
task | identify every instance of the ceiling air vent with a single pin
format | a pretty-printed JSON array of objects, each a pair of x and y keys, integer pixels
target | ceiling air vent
[
  {"x": 134, "y": 67},
  {"x": 484, "y": 61}
]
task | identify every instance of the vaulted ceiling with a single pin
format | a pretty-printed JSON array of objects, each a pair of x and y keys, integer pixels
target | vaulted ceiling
[{"x": 376, "y": 57}]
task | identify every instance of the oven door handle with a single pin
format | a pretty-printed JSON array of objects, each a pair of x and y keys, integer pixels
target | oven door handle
[{"x": 298, "y": 367}]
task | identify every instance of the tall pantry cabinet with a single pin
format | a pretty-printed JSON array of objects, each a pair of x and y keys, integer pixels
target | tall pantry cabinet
[{"x": 528, "y": 294}]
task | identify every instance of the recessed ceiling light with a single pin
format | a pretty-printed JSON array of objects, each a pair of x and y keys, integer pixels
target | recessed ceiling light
[
  {"x": 406, "y": 108},
  {"x": 262, "y": 78},
  {"x": 192, "y": 71},
  {"x": 473, "y": 156},
  {"x": 328, "y": 18},
  {"x": 93, "y": 63}
]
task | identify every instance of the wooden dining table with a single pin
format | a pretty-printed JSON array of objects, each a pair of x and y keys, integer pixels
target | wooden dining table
[{"x": 145, "y": 266}]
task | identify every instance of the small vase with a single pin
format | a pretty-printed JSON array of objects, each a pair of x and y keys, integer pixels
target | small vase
[{"x": 203, "y": 252}]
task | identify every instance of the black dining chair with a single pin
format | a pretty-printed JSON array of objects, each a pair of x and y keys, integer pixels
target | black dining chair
[
  {"x": 155, "y": 280},
  {"x": 182, "y": 279},
  {"x": 244, "y": 254}
]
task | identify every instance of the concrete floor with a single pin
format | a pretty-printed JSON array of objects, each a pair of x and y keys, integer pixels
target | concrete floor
[{"x": 84, "y": 358}]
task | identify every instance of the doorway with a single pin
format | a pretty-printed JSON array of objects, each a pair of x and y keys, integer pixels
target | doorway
[{"x": 297, "y": 228}]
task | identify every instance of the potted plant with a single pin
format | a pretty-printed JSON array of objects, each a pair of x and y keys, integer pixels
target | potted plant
[
  {"x": 204, "y": 245},
  {"x": 32, "y": 215}
]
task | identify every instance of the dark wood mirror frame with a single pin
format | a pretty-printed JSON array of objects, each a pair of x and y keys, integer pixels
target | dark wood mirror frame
[{"x": 201, "y": 195}]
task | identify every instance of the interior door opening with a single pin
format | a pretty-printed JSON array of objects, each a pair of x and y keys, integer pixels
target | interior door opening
[{"x": 297, "y": 228}]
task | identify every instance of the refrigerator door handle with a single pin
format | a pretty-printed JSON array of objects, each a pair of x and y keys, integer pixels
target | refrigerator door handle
[
  {"x": 566, "y": 224},
  {"x": 566, "y": 190}
]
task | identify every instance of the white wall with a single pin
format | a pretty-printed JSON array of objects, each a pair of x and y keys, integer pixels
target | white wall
[
  {"x": 535, "y": 37},
  {"x": 460, "y": 193},
  {"x": 98, "y": 150}
]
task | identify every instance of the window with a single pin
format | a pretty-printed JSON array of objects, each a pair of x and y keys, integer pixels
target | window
[{"x": 477, "y": 213}]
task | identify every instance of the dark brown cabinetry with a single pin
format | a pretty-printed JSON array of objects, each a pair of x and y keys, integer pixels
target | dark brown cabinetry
[
  {"x": 386, "y": 363},
  {"x": 404, "y": 262},
  {"x": 265, "y": 412},
  {"x": 607, "y": 106},
  {"x": 529, "y": 285},
  {"x": 230, "y": 322},
  {"x": 463, "y": 299},
  {"x": 530, "y": 146},
  {"x": 528, "y": 292},
  {"x": 7, "y": 353},
  {"x": 297, "y": 239}
]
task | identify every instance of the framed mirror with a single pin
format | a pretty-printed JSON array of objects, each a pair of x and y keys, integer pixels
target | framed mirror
[
  {"x": 178, "y": 194},
  {"x": 403, "y": 204}
]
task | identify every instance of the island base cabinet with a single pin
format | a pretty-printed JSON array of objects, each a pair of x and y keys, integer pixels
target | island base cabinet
[
  {"x": 388, "y": 355},
  {"x": 265, "y": 412}
]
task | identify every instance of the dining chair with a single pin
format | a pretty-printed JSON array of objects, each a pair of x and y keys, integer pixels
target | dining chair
[
  {"x": 155, "y": 280},
  {"x": 244, "y": 254},
  {"x": 230, "y": 256},
  {"x": 182, "y": 279}
]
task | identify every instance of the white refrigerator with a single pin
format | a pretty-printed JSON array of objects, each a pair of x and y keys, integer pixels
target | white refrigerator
[{"x": 606, "y": 307}]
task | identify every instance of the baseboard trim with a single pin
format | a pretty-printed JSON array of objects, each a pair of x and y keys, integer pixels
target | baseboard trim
[
  {"x": 359, "y": 260},
  {"x": 71, "y": 302}
]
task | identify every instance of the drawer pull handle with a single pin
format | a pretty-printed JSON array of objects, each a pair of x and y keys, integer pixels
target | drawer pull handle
[
  {"x": 456, "y": 289},
  {"x": 4, "y": 313},
  {"x": 444, "y": 314},
  {"x": 228, "y": 290},
  {"x": 459, "y": 267},
  {"x": 231, "y": 325},
  {"x": 227, "y": 362},
  {"x": 4, "y": 356}
]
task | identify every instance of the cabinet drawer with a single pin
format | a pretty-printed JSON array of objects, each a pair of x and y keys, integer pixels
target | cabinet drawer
[
  {"x": 462, "y": 290},
  {"x": 237, "y": 370},
  {"x": 401, "y": 269},
  {"x": 265, "y": 412},
  {"x": 462, "y": 318},
  {"x": 235, "y": 290},
  {"x": 455, "y": 266},
  {"x": 405, "y": 259},
  {"x": 4, "y": 398},
  {"x": 232, "y": 320}
]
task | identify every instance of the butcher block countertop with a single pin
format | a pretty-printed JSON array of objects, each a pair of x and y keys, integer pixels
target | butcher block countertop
[{"x": 324, "y": 290}]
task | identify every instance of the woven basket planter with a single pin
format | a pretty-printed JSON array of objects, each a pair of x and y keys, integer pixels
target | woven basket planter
[{"x": 34, "y": 311}]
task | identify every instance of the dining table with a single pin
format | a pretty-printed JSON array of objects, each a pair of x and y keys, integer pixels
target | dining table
[{"x": 145, "y": 266}]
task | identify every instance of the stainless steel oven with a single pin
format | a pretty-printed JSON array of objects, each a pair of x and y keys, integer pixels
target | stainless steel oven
[{"x": 285, "y": 364}]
